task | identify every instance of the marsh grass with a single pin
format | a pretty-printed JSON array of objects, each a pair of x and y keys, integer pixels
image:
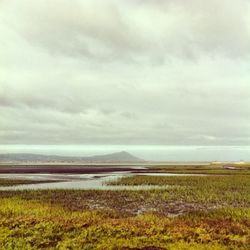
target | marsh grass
[
  {"x": 35, "y": 225},
  {"x": 221, "y": 190},
  {"x": 212, "y": 169},
  {"x": 196, "y": 213}
]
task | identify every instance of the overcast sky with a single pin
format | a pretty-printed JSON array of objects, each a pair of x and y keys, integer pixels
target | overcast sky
[{"x": 128, "y": 72}]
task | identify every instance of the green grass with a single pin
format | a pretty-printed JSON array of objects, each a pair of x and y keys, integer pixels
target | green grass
[
  {"x": 228, "y": 190},
  {"x": 189, "y": 213},
  {"x": 35, "y": 225},
  {"x": 212, "y": 169}
]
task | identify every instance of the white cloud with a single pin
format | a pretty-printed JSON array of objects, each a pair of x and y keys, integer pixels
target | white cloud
[{"x": 125, "y": 72}]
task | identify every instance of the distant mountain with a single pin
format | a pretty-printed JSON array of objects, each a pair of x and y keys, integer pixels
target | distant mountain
[
  {"x": 119, "y": 156},
  {"x": 122, "y": 156}
]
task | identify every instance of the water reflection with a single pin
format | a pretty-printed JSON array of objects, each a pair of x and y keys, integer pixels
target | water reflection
[{"x": 80, "y": 181}]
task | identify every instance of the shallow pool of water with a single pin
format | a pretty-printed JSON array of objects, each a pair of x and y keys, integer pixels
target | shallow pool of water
[{"x": 81, "y": 181}]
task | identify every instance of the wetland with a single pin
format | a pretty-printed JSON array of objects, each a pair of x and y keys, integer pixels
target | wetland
[{"x": 173, "y": 207}]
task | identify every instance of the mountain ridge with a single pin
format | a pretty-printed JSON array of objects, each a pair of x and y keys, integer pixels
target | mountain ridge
[{"x": 121, "y": 156}]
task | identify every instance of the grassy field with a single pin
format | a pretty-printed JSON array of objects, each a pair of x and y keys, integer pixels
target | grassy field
[
  {"x": 35, "y": 225},
  {"x": 190, "y": 212},
  {"x": 221, "y": 169}
]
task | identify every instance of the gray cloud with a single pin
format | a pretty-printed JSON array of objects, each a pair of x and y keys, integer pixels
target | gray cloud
[
  {"x": 133, "y": 30},
  {"x": 125, "y": 72}
]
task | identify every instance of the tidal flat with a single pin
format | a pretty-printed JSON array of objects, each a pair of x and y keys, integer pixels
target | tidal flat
[{"x": 193, "y": 212}]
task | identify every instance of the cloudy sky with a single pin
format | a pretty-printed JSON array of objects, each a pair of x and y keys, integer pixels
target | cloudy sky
[{"x": 127, "y": 72}]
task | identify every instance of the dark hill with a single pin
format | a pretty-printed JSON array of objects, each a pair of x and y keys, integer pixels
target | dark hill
[{"x": 122, "y": 156}]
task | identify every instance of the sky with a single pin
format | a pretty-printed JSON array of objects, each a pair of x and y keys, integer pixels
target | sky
[{"x": 153, "y": 73}]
